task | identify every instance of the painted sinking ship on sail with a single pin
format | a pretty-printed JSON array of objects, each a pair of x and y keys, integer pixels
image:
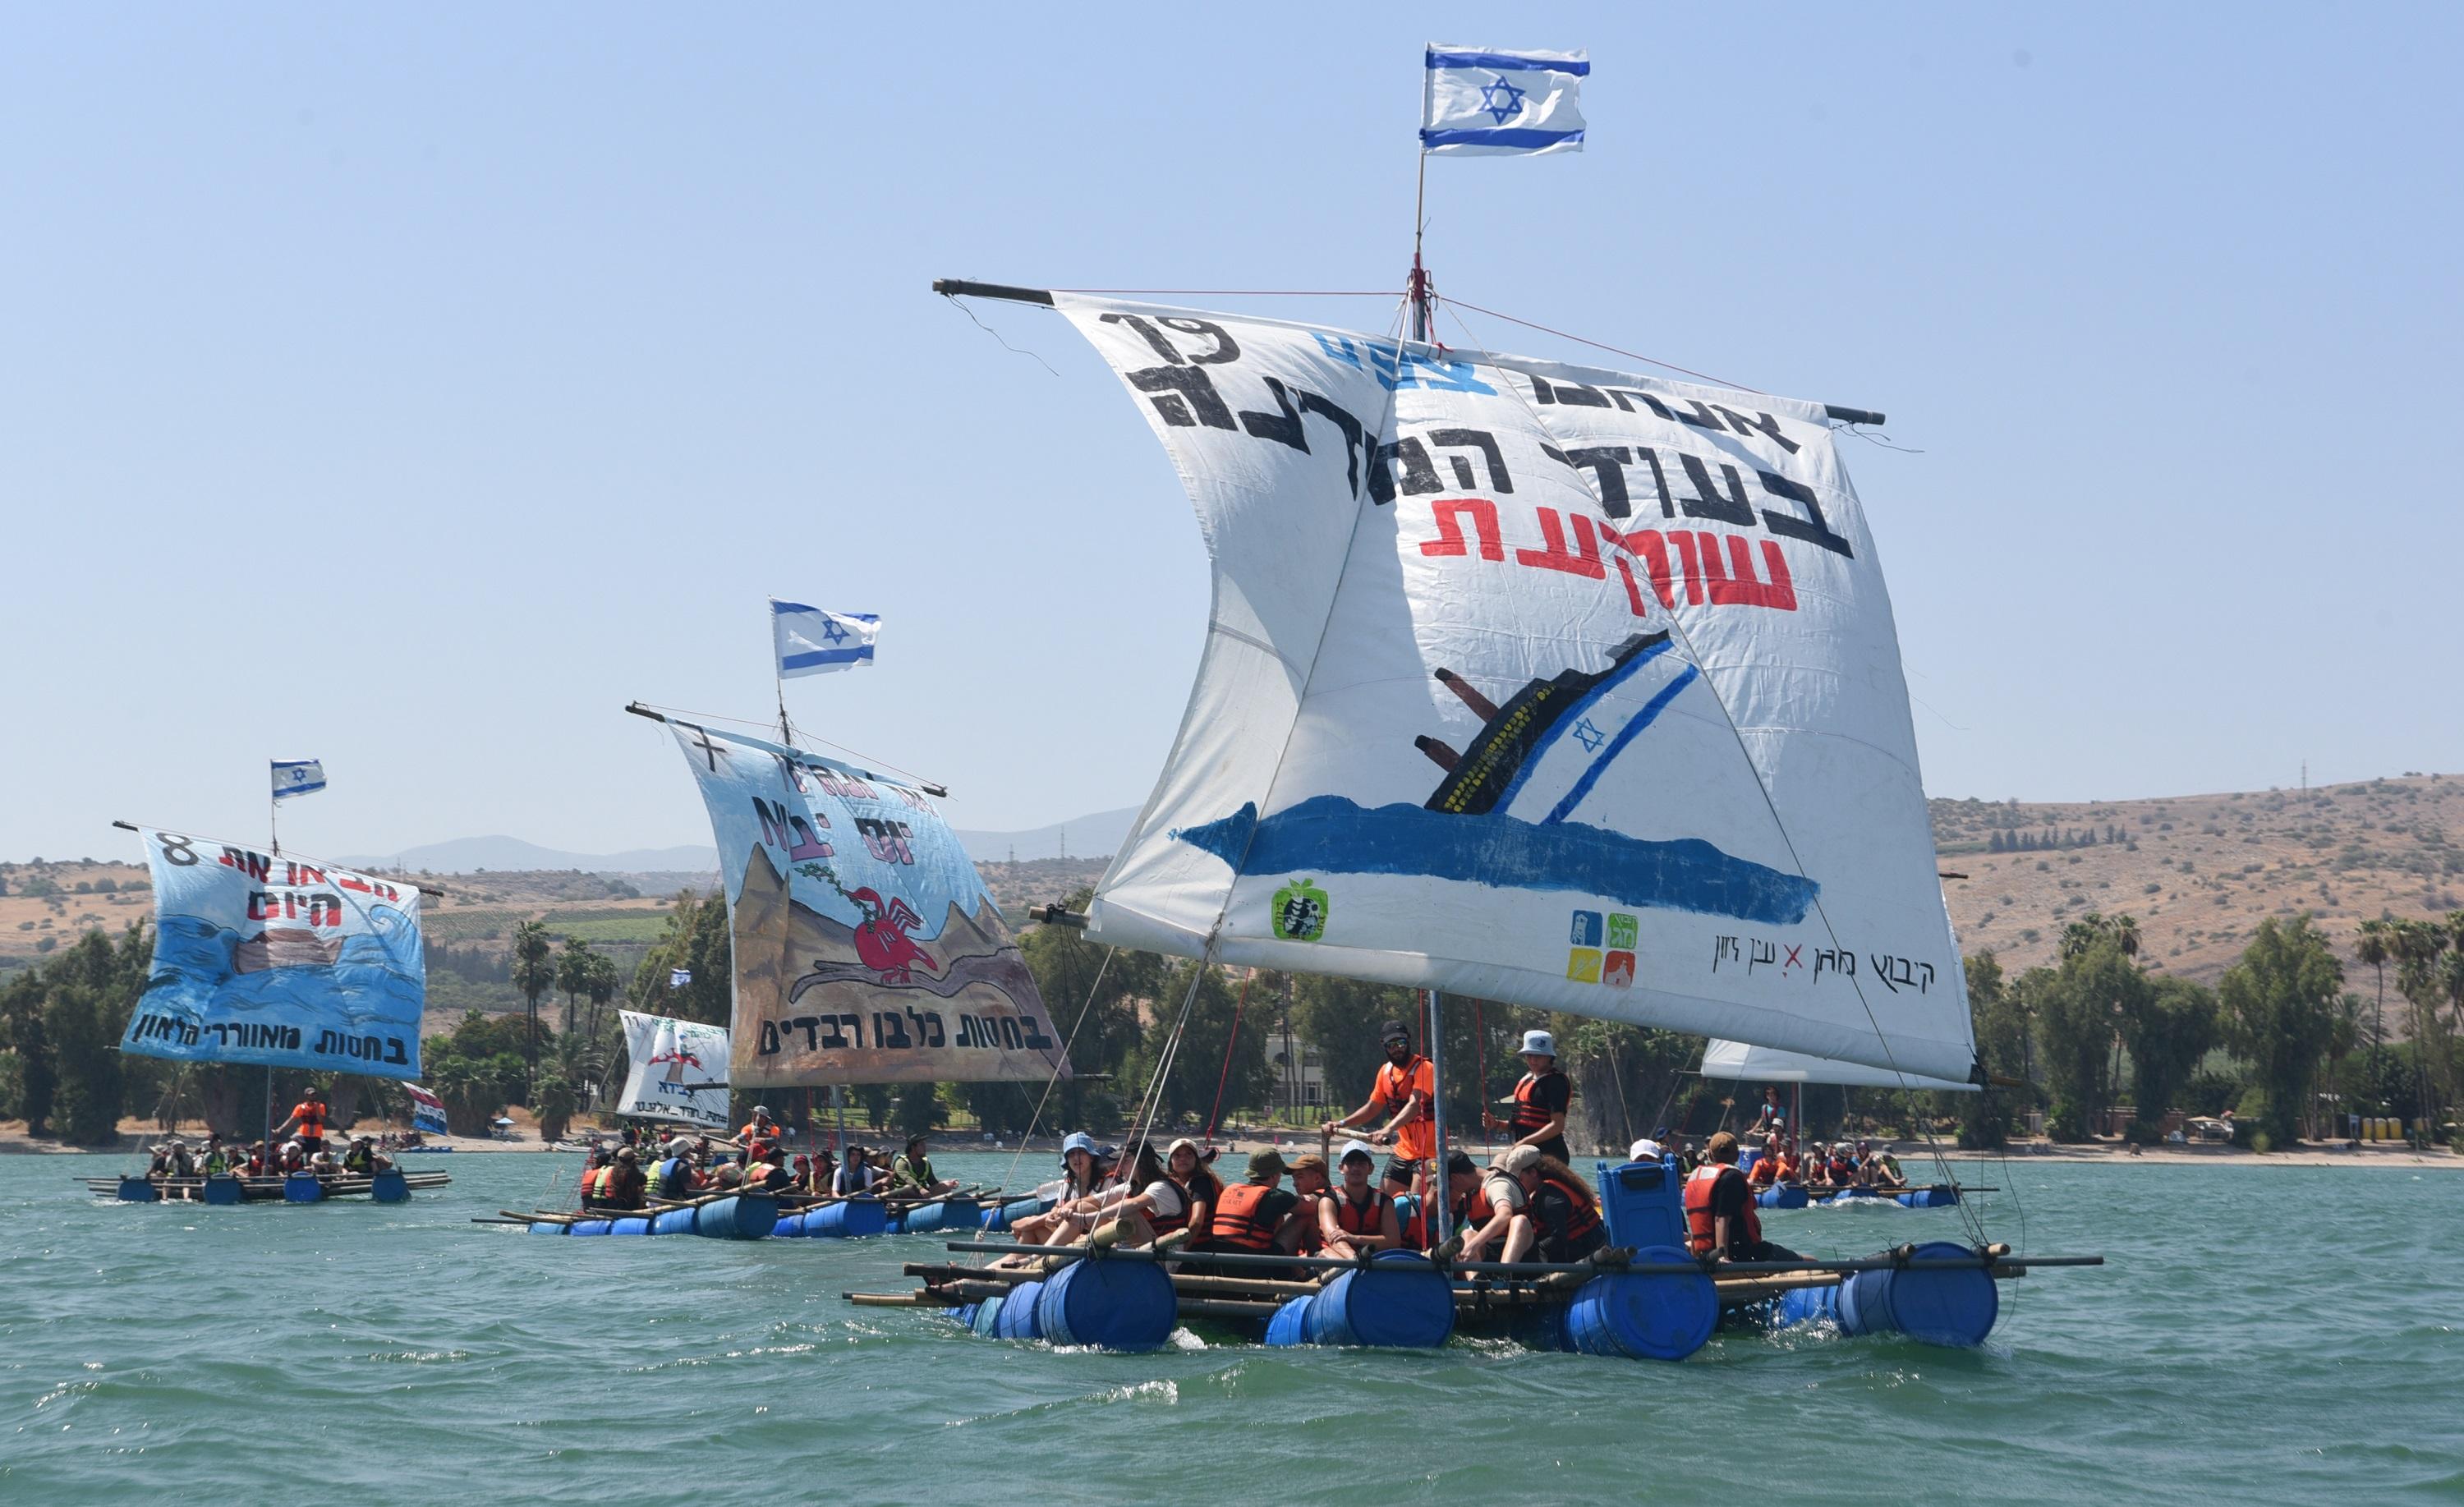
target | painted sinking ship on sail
[{"x": 279, "y": 962}]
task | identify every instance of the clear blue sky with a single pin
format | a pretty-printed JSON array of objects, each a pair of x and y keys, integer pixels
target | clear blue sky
[{"x": 410, "y": 388}]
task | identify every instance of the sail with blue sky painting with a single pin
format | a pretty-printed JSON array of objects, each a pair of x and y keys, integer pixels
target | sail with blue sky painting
[{"x": 1533, "y": 682}]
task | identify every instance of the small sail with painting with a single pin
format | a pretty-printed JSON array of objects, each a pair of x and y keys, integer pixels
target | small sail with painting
[
  {"x": 678, "y": 1072},
  {"x": 1739, "y": 1062},
  {"x": 279, "y": 962}
]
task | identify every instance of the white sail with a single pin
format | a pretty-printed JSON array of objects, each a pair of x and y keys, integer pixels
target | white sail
[
  {"x": 1544, "y": 684},
  {"x": 1734, "y": 1062},
  {"x": 678, "y": 1071}
]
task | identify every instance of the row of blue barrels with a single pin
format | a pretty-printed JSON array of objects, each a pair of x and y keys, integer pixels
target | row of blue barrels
[
  {"x": 1941, "y": 1305},
  {"x": 1942, "y": 1196},
  {"x": 299, "y": 1188},
  {"x": 1109, "y": 1305},
  {"x": 1398, "y": 1302},
  {"x": 745, "y": 1216}
]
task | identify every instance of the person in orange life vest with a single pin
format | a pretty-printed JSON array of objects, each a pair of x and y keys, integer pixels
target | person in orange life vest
[
  {"x": 1540, "y": 1101},
  {"x": 1721, "y": 1223},
  {"x": 310, "y": 1115},
  {"x": 768, "y": 1175},
  {"x": 1557, "y": 1217},
  {"x": 1354, "y": 1216},
  {"x": 1842, "y": 1172},
  {"x": 1467, "y": 1202},
  {"x": 759, "y": 1134},
  {"x": 1766, "y": 1170},
  {"x": 1258, "y": 1215},
  {"x": 1405, "y": 1088},
  {"x": 623, "y": 1184}
]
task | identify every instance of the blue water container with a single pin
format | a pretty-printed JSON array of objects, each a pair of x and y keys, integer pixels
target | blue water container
[
  {"x": 672, "y": 1221},
  {"x": 388, "y": 1186},
  {"x": 1941, "y": 1195},
  {"x": 224, "y": 1189},
  {"x": 743, "y": 1216},
  {"x": 634, "y": 1225},
  {"x": 548, "y": 1227},
  {"x": 919, "y": 1219},
  {"x": 1398, "y": 1302},
  {"x": 1113, "y": 1305},
  {"x": 1016, "y": 1319},
  {"x": 847, "y": 1221},
  {"x": 788, "y": 1225},
  {"x": 1784, "y": 1196},
  {"x": 1953, "y": 1306},
  {"x": 138, "y": 1190},
  {"x": 961, "y": 1214},
  {"x": 986, "y": 1317},
  {"x": 1807, "y": 1305},
  {"x": 1643, "y": 1203},
  {"x": 303, "y": 1187},
  {"x": 1644, "y": 1318},
  {"x": 1290, "y": 1324},
  {"x": 966, "y": 1314},
  {"x": 1000, "y": 1216},
  {"x": 582, "y": 1227}
]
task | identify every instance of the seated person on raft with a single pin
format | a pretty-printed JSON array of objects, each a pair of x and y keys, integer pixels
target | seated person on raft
[
  {"x": 1080, "y": 1176},
  {"x": 1466, "y": 1203},
  {"x": 1148, "y": 1204},
  {"x": 912, "y": 1172},
  {"x": 618, "y": 1186},
  {"x": 1357, "y": 1217},
  {"x": 1546, "y": 1211},
  {"x": 855, "y": 1177},
  {"x": 1766, "y": 1172},
  {"x": 675, "y": 1177},
  {"x": 1721, "y": 1221},
  {"x": 768, "y": 1172},
  {"x": 1881, "y": 1169},
  {"x": 364, "y": 1158},
  {"x": 1256, "y": 1217}
]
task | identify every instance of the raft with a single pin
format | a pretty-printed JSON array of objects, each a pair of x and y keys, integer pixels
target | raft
[
  {"x": 391, "y": 1186},
  {"x": 737, "y": 1217},
  {"x": 1791, "y": 1196}
]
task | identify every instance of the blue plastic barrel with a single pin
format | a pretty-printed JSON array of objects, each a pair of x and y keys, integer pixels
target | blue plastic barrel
[
  {"x": 303, "y": 1187},
  {"x": 1541, "y": 1327},
  {"x": 788, "y": 1225},
  {"x": 1016, "y": 1319},
  {"x": 1113, "y": 1305},
  {"x": 920, "y": 1218},
  {"x": 672, "y": 1221},
  {"x": 581, "y": 1227},
  {"x": 987, "y": 1316},
  {"x": 547, "y": 1227},
  {"x": 1808, "y": 1305},
  {"x": 847, "y": 1221},
  {"x": 388, "y": 1186},
  {"x": 224, "y": 1189},
  {"x": 743, "y": 1217},
  {"x": 1000, "y": 1217},
  {"x": 636, "y": 1225},
  {"x": 961, "y": 1214},
  {"x": 966, "y": 1314},
  {"x": 1942, "y": 1196},
  {"x": 1644, "y": 1318},
  {"x": 138, "y": 1190},
  {"x": 1398, "y": 1302},
  {"x": 1290, "y": 1324},
  {"x": 1950, "y": 1306},
  {"x": 1784, "y": 1196}
]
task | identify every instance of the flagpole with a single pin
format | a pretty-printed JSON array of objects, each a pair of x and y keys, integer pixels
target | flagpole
[
  {"x": 1420, "y": 284},
  {"x": 274, "y": 820}
]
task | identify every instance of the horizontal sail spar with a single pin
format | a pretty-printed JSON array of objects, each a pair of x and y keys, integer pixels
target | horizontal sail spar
[
  {"x": 1735, "y": 1061},
  {"x": 1540, "y": 683},
  {"x": 866, "y": 948}
]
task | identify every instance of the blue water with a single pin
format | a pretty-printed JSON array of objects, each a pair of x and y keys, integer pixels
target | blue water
[{"x": 2262, "y": 1335}]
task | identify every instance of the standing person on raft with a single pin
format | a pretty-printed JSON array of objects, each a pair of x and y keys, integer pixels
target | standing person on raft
[
  {"x": 1405, "y": 1088},
  {"x": 1721, "y": 1223},
  {"x": 1540, "y": 1101},
  {"x": 310, "y": 1115}
]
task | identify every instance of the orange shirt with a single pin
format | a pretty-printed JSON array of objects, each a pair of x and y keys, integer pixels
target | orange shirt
[{"x": 1417, "y": 1141}]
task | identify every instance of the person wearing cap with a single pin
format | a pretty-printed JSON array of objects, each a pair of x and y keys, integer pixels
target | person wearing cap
[
  {"x": 217, "y": 1159},
  {"x": 912, "y": 1170},
  {"x": 1355, "y": 1216},
  {"x": 1883, "y": 1167},
  {"x": 1559, "y": 1218},
  {"x": 1258, "y": 1215},
  {"x": 674, "y": 1177},
  {"x": 1767, "y": 1166},
  {"x": 767, "y": 1176},
  {"x": 1540, "y": 1101},
  {"x": 1406, "y": 1087},
  {"x": 1721, "y": 1221},
  {"x": 620, "y": 1183},
  {"x": 759, "y": 1134}
]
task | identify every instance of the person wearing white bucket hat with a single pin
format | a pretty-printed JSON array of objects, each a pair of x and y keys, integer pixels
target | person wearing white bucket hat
[{"x": 1540, "y": 1101}]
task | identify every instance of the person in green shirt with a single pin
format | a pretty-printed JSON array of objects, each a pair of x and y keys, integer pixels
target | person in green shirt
[{"x": 912, "y": 1171}]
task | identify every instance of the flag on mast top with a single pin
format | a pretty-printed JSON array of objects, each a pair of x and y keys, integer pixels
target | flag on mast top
[
  {"x": 813, "y": 642},
  {"x": 1478, "y": 101},
  {"x": 297, "y": 777}
]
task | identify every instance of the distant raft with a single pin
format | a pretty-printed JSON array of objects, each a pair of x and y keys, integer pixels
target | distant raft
[
  {"x": 388, "y": 1187},
  {"x": 1796, "y": 1195}
]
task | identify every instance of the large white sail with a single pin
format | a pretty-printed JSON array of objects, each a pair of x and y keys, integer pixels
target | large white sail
[
  {"x": 1735, "y": 1061},
  {"x": 677, "y": 1070},
  {"x": 1555, "y": 685}
]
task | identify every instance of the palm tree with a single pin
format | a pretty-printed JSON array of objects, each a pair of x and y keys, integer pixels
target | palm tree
[
  {"x": 533, "y": 975},
  {"x": 573, "y": 974},
  {"x": 2375, "y": 946},
  {"x": 2419, "y": 945}
]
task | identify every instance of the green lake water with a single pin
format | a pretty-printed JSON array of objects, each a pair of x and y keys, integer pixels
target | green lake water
[{"x": 2260, "y": 1334}]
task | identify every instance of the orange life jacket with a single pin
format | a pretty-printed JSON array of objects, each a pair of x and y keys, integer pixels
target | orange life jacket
[
  {"x": 1701, "y": 1226},
  {"x": 1367, "y": 1218},
  {"x": 1528, "y": 1116},
  {"x": 1417, "y": 1141},
  {"x": 1164, "y": 1224},
  {"x": 1471, "y": 1212},
  {"x": 1765, "y": 1171},
  {"x": 1236, "y": 1222},
  {"x": 1583, "y": 1214},
  {"x": 311, "y": 1115}
]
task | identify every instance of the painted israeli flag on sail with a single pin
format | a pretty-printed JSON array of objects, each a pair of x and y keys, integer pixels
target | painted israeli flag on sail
[
  {"x": 297, "y": 777},
  {"x": 1481, "y": 102},
  {"x": 812, "y": 642}
]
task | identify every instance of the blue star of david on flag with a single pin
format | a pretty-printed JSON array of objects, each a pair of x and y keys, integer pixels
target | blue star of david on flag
[
  {"x": 1589, "y": 736},
  {"x": 297, "y": 777},
  {"x": 1471, "y": 94},
  {"x": 810, "y": 641}
]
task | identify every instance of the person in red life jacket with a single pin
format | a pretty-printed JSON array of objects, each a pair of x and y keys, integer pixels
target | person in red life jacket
[
  {"x": 1557, "y": 1217},
  {"x": 767, "y": 1176},
  {"x": 1721, "y": 1222},
  {"x": 622, "y": 1185},
  {"x": 1467, "y": 1202},
  {"x": 1842, "y": 1170},
  {"x": 1258, "y": 1216},
  {"x": 1540, "y": 1100},
  {"x": 310, "y": 1115},
  {"x": 759, "y": 1134},
  {"x": 1766, "y": 1170},
  {"x": 1405, "y": 1088},
  {"x": 1356, "y": 1216}
]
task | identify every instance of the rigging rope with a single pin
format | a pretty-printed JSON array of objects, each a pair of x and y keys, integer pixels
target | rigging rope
[
  {"x": 1597, "y": 346},
  {"x": 1214, "y": 1115},
  {"x": 1084, "y": 1010}
]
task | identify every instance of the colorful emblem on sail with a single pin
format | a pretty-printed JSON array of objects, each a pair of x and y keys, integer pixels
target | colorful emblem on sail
[{"x": 1301, "y": 911}]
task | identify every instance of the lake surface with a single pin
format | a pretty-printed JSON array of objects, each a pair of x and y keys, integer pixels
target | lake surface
[{"x": 2260, "y": 1335}]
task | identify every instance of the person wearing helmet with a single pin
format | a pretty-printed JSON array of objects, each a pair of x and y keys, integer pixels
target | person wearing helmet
[{"x": 1540, "y": 1101}]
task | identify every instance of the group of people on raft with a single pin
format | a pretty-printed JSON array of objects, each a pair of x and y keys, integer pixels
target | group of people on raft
[
  {"x": 298, "y": 1144},
  {"x": 624, "y": 1175},
  {"x": 1825, "y": 1169},
  {"x": 1526, "y": 1204}
]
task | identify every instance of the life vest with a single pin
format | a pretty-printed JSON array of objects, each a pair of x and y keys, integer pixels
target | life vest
[
  {"x": 756, "y": 1141},
  {"x": 1237, "y": 1223},
  {"x": 1163, "y": 1223},
  {"x": 1417, "y": 1141},
  {"x": 593, "y": 1184},
  {"x": 311, "y": 1115},
  {"x": 1701, "y": 1226},
  {"x": 1765, "y": 1171},
  {"x": 1528, "y": 1116},
  {"x": 1369, "y": 1218},
  {"x": 358, "y": 1159},
  {"x": 1582, "y": 1213},
  {"x": 1471, "y": 1212}
]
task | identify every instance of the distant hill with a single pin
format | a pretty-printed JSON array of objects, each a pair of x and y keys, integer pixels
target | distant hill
[
  {"x": 1097, "y": 836},
  {"x": 503, "y": 853}
]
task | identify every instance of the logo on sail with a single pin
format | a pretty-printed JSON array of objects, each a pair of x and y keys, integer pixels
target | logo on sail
[{"x": 1300, "y": 911}]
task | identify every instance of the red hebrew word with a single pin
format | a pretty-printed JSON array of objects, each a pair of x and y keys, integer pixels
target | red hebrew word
[
  {"x": 1551, "y": 556},
  {"x": 1450, "y": 512}
]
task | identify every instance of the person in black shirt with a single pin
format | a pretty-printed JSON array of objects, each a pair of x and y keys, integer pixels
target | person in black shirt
[
  {"x": 1540, "y": 1100},
  {"x": 1721, "y": 1218}
]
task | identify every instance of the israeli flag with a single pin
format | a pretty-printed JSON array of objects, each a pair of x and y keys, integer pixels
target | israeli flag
[
  {"x": 812, "y": 641},
  {"x": 297, "y": 777},
  {"x": 679, "y": 977},
  {"x": 1477, "y": 102}
]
